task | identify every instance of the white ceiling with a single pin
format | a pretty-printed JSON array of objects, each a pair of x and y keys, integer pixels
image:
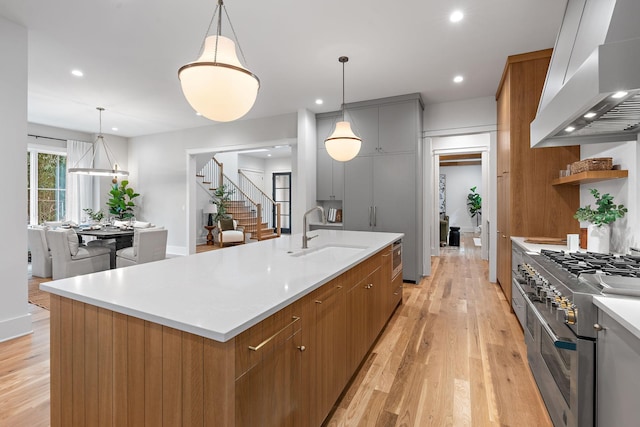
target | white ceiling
[{"x": 130, "y": 52}]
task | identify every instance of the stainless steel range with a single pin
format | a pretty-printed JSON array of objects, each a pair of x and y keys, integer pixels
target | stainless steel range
[{"x": 552, "y": 298}]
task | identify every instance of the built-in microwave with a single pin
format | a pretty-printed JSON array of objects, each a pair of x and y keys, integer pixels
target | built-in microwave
[{"x": 396, "y": 258}]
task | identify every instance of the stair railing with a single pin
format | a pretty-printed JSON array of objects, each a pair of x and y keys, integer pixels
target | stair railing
[
  {"x": 212, "y": 173},
  {"x": 260, "y": 208},
  {"x": 269, "y": 213}
]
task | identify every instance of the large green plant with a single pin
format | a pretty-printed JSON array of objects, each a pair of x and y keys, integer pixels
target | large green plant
[
  {"x": 222, "y": 197},
  {"x": 605, "y": 213},
  {"x": 474, "y": 204},
  {"x": 121, "y": 201}
]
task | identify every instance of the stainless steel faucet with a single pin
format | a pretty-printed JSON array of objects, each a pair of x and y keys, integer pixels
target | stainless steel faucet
[{"x": 305, "y": 239}]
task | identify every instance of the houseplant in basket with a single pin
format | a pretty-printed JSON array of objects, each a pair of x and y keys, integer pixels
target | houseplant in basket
[{"x": 599, "y": 220}]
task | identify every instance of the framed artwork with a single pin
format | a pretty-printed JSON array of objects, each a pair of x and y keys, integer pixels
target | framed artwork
[{"x": 442, "y": 184}]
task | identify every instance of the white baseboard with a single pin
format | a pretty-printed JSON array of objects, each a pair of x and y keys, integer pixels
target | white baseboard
[{"x": 15, "y": 327}]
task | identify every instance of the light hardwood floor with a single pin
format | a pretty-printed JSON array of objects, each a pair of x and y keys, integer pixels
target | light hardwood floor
[{"x": 452, "y": 355}]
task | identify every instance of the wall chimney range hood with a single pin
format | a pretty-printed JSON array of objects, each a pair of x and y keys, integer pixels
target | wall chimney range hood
[{"x": 592, "y": 89}]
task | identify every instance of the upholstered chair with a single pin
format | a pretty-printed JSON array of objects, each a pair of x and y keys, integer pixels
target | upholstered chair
[
  {"x": 149, "y": 244},
  {"x": 230, "y": 232},
  {"x": 69, "y": 258},
  {"x": 40, "y": 253}
]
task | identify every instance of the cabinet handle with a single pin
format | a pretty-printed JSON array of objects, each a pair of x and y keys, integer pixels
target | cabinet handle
[
  {"x": 318, "y": 301},
  {"x": 265, "y": 342},
  {"x": 369, "y": 216},
  {"x": 368, "y": 286},
  {"x": 375, "y": 215},
  {"x": 598, "y": 327},
  {"x": 302, "y": 348}
]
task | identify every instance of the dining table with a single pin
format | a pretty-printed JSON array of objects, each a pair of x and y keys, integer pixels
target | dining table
[{"x": 123, "y": 238}]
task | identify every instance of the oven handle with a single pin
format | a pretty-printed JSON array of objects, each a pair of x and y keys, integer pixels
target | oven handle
[{"x": 558, "y": 342}]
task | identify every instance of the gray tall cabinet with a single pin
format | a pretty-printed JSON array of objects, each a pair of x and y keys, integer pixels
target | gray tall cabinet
[{"x": 380, "y": 188}]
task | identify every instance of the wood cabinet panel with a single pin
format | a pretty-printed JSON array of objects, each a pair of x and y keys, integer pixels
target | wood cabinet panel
[
  {"x": 121, "y": 370},
  {"x": 328, "y": 347},
  {"x": 528, "y": 205}
]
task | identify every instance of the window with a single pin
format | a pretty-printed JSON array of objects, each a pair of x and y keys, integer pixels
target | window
[{"x": 46, "y": 186}]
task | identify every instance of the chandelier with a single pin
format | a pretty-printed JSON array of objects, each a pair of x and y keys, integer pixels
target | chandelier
[{"x": 93, "y": 150}]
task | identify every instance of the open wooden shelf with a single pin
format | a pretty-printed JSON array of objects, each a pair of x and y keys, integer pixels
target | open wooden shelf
[{"x": 590, "y": 176}]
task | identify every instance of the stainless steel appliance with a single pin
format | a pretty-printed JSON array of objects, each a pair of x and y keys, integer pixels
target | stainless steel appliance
[
  {"x": 396, "y": 258},
  {"x": 553, "y": 300}
]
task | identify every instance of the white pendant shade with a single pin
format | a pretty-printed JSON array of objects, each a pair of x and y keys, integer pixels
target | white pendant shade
[
  {"x": 343, "y": 145},
  {"x": 219, "y": 87}
]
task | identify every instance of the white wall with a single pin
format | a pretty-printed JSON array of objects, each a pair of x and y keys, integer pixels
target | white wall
[
  {"x": 15, "y": 319},
  {"x": 303, "y": 173},
  {"x": 159, "y": 168},
  {"x": 119, "y": 147},
  {"x": 625, "y": 232},
  {"x": 459, "y": 180}
]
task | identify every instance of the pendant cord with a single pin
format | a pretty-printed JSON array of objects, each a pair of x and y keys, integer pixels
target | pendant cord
[
  {"x": 343, "y": 91},
  {"x": 209, "y": 29}
]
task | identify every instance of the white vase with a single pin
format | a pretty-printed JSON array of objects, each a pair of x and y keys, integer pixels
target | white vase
[{"x": 598, "y": 238}]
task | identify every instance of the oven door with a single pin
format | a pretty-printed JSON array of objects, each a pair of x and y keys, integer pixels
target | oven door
[{"x": 554, "y": 363}]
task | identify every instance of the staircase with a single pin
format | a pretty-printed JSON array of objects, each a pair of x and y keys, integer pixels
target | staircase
[{"x": 256, "y": 212}]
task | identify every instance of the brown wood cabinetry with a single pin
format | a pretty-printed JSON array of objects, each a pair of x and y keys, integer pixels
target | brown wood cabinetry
[
  {"x": 528, "y": 204},
  {"x": 288, "y": 370},
  {"x": 328, "y": 348}
]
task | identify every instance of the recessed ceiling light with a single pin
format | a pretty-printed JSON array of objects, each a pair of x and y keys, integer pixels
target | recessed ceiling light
[
  {"x": 268, "y": 155},
  {"x": 589, "y": 115},
  {"x": 620, "y": 94},
  {"x": 77, "y": 73},
  {"x": 198, "y": 114},
  {"x": 570, "y": 129},
  {"x": 458, "y": 79},
  {"x": 319, "y": 101},
  {"x": 114, "y": 129},
  {"x": 456, "y": 16}
]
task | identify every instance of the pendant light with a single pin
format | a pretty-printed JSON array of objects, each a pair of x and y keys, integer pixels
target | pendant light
[
  {"x": 93, "y": 149},
  {"x": 343, "y": 145},
  {"x": 217, "y": 85}
]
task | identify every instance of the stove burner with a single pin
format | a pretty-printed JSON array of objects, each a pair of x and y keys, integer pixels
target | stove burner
[{"x": 578, "y": 263}]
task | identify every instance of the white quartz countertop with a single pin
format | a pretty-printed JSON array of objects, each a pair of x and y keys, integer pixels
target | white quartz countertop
[
  {"x": 221, "y": 293},
  {"x": 625, "y": 310},
  {"x": 533, "y": 247}
]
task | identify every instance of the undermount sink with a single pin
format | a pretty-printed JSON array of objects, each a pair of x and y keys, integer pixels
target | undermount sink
[{"x": 329, "y": 252}]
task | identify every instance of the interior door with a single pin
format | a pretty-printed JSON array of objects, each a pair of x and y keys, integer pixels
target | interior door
[{"x": 282, "y": 194}]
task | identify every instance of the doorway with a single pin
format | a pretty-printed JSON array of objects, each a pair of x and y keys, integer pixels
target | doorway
[{"x": 282, "y": 194}]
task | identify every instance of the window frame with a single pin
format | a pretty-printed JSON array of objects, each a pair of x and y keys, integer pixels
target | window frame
[{"x": 33, "y": 150}]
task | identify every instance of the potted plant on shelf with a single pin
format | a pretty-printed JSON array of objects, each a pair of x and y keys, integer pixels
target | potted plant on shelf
[
  {"x": 474, "y": 205},
  {"x": 121, "y": 202},
  {"x": 599, "y": 219}
]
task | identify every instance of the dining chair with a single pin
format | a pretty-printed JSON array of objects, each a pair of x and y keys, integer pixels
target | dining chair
[{"x": 149, "y": 244}]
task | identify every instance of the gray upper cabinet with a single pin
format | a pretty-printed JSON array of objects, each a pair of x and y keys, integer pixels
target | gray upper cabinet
[
  {"x": 380, "y": 184},
  {"x": 330, "y": 173},
  {"x": 330, "y": 177},
  {"x": 364, "y": 123},
  {"x": 398, "y": 127}
]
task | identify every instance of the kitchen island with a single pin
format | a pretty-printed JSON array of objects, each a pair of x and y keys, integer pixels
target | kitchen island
[{"x": 257, "y": 334}]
